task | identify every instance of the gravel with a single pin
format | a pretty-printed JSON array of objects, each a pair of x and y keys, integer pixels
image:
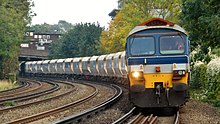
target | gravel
[
  {"x": 37, "y": 108},
  {"x": 103, "y": 95},
  {"x": 113, "y": 113},
  {"x": 64, "y": 88},
  {"x": 196, "y": 112}
]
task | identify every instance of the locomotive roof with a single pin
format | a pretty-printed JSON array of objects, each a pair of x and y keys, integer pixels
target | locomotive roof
[{"x": 156, "y": 23}]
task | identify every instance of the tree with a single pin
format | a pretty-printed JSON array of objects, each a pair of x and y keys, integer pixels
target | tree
[
  {"x": 61, "y": 27},
  {"x": 14, "y": 16},
  {"x": 80, "y": 41},
  {"x": 201, "y": 19},
  {"x": 132, "y": 13},
  {"x": 55, "y": 49},
  {"x": 113, "y": 39}
]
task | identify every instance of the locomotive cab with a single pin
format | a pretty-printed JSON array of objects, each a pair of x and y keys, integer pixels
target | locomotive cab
[{"x": 158, "y": 64}]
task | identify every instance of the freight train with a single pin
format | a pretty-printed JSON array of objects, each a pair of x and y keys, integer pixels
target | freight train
[{"x": 155, "y": 65}]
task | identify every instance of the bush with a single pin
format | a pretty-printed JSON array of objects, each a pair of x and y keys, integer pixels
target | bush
[
  {"x": 205, "y": 75},
  {"x": 199, "y": 76},
  {"x": 216, "y": 51},
  {"x": 213, "y": 71},
  {"x": 12, "y": 77},
  {"x": 217, "y": 103}
]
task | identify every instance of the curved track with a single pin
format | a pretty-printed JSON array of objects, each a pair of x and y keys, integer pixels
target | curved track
[
  {"x": 22, "y": 84},
  {"x": 87, "y": 113},
  {"x": 56, "y": 110},
  {"x": 40, "y": 101},
  {"x": 30, "y": 93}
]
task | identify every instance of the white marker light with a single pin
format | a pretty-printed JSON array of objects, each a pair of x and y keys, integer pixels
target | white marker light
[
  {"x": 184, "y": 72},
  {"x": 180, "y": 72}
]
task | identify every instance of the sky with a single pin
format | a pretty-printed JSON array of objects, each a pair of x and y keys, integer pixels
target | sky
[{"x": 73, "y": 11}]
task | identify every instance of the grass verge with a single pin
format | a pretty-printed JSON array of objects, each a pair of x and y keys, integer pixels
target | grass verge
[
  {"x": 202, "y": 95},
  {"x": 5, "y": 85}
]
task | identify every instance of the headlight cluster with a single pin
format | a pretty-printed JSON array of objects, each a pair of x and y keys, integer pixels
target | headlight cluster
[
  {"x": 179, "y": 72},
  {"x": 137, "y": 75}
]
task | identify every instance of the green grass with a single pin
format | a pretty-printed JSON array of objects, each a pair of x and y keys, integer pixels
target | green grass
[
  {"x": 9, "y": 103},
  {"x": 5, "y": 85}
]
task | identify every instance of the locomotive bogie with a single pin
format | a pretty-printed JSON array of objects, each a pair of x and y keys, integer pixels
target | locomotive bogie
[{"x": 149, "y": 99}]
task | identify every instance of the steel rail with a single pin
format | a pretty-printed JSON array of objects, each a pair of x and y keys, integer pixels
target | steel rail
[
  {"x": 125, "y": 117},
  {"x": 142, "y": 119},
  {"x": 23, "y": 91},
  {"x": 176, "y": 118},
  {"x": 23, "y": 84},
  {"x": 32, "y": 95},
  {"x": 55, "y": 110},
  {"x": 78, "y": 117},
  {"x": 40, "y": 101}
]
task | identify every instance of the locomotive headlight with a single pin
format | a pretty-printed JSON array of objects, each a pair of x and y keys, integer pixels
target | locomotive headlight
[{"x": 137, "y": 74}]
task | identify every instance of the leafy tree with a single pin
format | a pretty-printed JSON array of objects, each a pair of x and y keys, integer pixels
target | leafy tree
[
  {"x": 134, "y": 12},
  {"x": 55, "y": 49},
  {"x": 82, "y": 40},
  {"x": 113, "y": 39},
  {"x": 61, "y": 27},
  {"x": 201, "y": 19},
  {"x": 14, "y": 16}
]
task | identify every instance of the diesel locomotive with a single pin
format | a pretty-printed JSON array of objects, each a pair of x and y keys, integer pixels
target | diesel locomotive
[
  {"x": 155, "y": 65},
  {"x": 157, "y": 54}
]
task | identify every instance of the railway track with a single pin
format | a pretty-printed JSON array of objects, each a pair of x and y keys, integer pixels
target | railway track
[
  {"x": 30, "y": 93},
  {"x": 55, "y": 110},
  {"x": 20, "y": 90},
  {"x": 42, "y": 100},
  {"x": 142, "y": 118},
  {"x": 22, "y": 85},
  {"x": 89, "y": 112}
]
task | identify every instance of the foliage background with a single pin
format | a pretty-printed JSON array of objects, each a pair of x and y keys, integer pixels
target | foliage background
[
  {"x": 81, "y": 40},
  {"x": 201, "y": 19},
  {"x": 132, "y": 13},
  {"x": 14, "y": 16}
]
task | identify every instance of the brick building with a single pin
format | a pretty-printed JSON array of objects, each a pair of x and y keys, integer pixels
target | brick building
[{"x": 36, "y": 45}]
